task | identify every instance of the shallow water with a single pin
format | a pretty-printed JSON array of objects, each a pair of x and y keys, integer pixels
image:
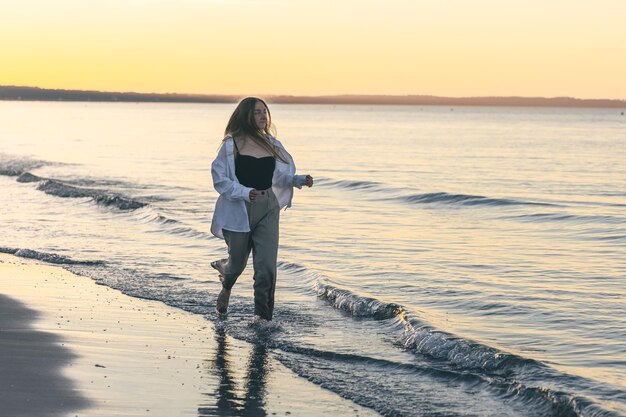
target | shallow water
[{"x": 466, "y": 261}]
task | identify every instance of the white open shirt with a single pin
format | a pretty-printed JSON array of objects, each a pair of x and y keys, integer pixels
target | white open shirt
[{"x": 230, "y": 209}]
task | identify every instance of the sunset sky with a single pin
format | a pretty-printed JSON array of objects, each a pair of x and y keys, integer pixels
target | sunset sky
[{"x": 315, "y": 47}]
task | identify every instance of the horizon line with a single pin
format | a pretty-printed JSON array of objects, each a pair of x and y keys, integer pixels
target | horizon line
[{"x": 29, "y": 93}]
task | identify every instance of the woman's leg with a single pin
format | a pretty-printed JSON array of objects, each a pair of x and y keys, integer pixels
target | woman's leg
[
  {"x": 264, "y": 253},
  {"x": 239, "y": 245}
]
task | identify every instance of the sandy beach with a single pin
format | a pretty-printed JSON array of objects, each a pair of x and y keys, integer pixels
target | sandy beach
[{"x": 71, "y": 347}]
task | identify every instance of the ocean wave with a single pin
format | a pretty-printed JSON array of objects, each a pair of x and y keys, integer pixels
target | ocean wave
[
  {"x": 390, "y": 387},
  {"x": 98, "y": 182},
  {"x": 165, "y": 220},
  {"x": 357, "y": 305},
  {"x": 613, "y": 238},
  {"x": 67, "y": 189},
  {"x": 562, "y": 217},
  {"x": 420, "y": 337},
  {"x": 101, "y": 197},
  {"x": 425, "y": 198},
  {"x": 48, "y": 257},
  {"x": 291, "y": 267},
  {"x": 149, "y": 215},
  {"x": 13, "y": 167},
  {"x": 463, "y": 200},
  {"x": 504, "y": 371},
  {"x": 190, "y": 232},
  {"x": 456, "y": 351},
  {"x": 611, "y": 194},
  {"x": 26, "y": 177},
  {"x": 72, "y": 188},
  {"x": 348, "y": 184}
]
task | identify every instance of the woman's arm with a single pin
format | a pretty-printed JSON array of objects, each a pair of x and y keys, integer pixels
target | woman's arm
[
  {"x": 287, "y": 179},
  {"x": 287, "y": 174},
  {"x": 302, "y": 180},
  {"x": 227, "y": 188}
]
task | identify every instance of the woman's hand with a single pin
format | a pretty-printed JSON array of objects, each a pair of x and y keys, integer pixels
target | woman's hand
[
  {"x": 253, "y": 194},
  {"x": 309, "y": 181}
]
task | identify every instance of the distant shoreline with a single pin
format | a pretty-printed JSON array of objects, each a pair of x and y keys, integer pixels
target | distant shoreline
[{"x": 17, "y": 93}]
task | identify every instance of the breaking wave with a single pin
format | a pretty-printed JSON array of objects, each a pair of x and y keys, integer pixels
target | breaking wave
[{"x": 47, "y": 257}]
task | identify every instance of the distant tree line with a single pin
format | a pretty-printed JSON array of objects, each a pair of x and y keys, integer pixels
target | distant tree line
[{"x": 42, "y": 94}]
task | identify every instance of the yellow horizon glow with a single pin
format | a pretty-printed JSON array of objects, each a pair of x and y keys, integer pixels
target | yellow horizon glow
[{"x": 317, "y": 47}]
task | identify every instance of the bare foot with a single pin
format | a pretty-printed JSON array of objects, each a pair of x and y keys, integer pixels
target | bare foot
[
  {"x": 221, "y": 306},
  {"x": 216, "y": 266}
]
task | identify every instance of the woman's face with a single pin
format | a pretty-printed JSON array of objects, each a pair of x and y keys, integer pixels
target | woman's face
[{"x": 260, "y": 115}]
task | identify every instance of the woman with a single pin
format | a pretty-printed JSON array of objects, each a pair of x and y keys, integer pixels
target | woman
[{"x": 255, "y": 176}]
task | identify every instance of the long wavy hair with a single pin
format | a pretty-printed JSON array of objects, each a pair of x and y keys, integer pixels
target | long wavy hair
[{"x": 242, "y": 123}]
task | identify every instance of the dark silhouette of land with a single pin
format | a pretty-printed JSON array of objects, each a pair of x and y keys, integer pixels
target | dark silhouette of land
[{"x": 41, "y": 94}]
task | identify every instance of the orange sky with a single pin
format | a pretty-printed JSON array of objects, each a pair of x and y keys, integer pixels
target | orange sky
[{"x": 315, "y": 47}]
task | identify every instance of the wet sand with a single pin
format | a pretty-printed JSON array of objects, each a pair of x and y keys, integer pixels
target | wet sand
[{"x": 71, "y": 347}]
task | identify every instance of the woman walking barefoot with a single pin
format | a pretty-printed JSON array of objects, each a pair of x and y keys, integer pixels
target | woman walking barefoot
[{"x": 255, "y": 176}]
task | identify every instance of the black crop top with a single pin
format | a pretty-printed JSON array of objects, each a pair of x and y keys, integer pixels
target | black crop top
[{"x": 254, "y": 172}]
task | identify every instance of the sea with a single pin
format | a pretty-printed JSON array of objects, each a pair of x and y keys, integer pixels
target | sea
[{"x": 448, "y": 261}]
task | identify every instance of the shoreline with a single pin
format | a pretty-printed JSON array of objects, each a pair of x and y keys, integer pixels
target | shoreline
[{"x": 69, "y": 346}]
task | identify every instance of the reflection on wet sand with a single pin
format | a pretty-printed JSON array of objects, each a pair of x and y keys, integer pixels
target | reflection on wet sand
[{"x": 231, "y": 401}]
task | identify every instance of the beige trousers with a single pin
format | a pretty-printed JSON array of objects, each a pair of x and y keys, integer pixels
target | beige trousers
[{"x": 262, "y": 239}]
